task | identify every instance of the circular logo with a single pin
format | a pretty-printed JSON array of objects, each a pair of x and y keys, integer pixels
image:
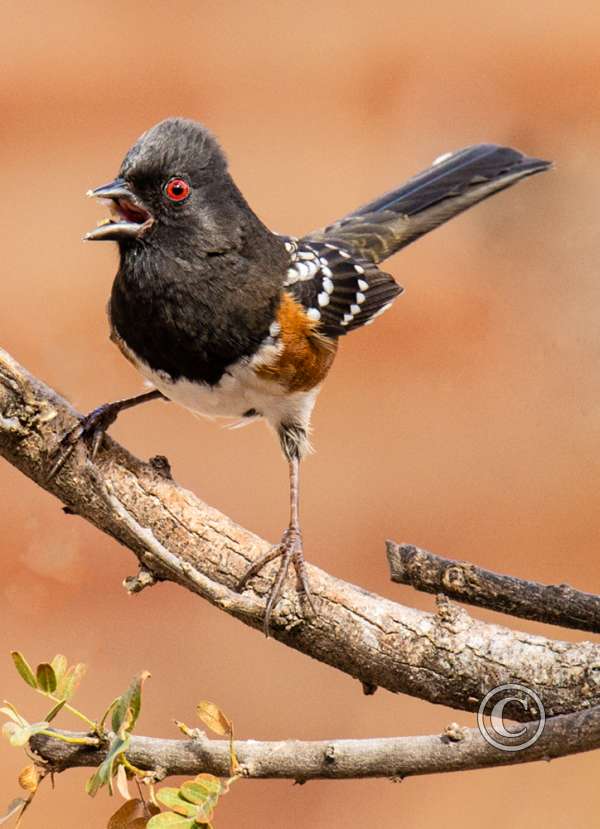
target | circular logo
[{"x": 515, "y": 736}]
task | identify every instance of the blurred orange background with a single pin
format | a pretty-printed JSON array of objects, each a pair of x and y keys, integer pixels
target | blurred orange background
[{"x": 465, "y": 421}]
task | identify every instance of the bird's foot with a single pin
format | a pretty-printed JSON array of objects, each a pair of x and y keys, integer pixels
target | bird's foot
[
  {"x": 290, "y": 550},
  {"x": 92, "y": 428}
]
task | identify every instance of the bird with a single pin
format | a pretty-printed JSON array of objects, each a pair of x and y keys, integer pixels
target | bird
[{"x": 230, "y": 319}]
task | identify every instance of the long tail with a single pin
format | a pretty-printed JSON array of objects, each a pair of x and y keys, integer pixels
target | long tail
[{"x": 452, "y": 184}]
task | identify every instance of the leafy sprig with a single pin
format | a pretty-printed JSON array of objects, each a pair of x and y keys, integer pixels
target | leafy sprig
[{"x": 190, "y": 806}]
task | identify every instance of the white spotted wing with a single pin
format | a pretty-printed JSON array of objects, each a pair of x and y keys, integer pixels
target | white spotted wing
[{"x": 339, "y": 290}]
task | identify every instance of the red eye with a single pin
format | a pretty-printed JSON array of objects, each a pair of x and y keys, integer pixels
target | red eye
[{"x": 177, "y": 189}]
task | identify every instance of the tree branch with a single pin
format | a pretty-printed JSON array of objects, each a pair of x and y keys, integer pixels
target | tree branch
[
  {"x": 555, "y": 604},
  {"x": 458, "y": 749},
  {"x": 444, "y": 657}
]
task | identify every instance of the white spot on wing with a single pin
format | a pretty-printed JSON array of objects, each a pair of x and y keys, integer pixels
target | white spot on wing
[
  {"x": 441, "y": 158},
  {"x": 313, "y": 314},
  {"x": 323, "y": 299},
  {"x": 381, "y": 311},
  {"x": 302, "y": 271},
  {"x": 363, "y": 285}
]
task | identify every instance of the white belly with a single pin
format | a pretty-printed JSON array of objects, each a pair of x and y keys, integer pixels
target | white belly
[{"x": 238, "y": 392}]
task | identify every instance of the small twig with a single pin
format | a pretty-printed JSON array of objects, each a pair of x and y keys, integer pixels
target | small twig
[
  {"x": 143, "y": 579},
  {"x": 555, "y": 604},
  {"x": 394, "y": 757}
]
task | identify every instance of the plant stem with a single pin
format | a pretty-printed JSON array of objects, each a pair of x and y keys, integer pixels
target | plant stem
[
  {"x": 84, "y": 741},
  {"x": 134, "y": 769}
]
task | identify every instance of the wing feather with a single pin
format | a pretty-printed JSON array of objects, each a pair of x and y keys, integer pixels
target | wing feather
[{"x": 337, "y": 289}]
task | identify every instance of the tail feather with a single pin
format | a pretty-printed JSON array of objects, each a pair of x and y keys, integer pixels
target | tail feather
[{"x": 451, "y": 185}]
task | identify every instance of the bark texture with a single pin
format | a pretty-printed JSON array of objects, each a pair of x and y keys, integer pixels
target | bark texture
[
  {"x": 445, "y": 657},
  {"x": 555, "y": 604},
  {"x": 458, "y": 749}
]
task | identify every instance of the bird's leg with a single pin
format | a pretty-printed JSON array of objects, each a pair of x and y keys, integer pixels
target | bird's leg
[
  {"x": 93, "y": 427},
  {"x": 289, "y": 550}
]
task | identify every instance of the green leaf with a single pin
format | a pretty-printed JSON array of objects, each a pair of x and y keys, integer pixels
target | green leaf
[
  {"x": 205, "y": 809},
  {"x": 46, "y": 678},
  {"x": 13, "y": 807},
  {"x": 59, "y": 666},
  {"x": 108, "y": 711},
  {"x": 24, "y": 668},
  {"x": 55, "y": 710},
  {"x": 11, "y": 711},
  {"x": 204, "y": 791},
  {"x": 104, "y": 773},
  {"x": 69, "y": 682},
  {"x": 194, "y": 792},
  {"x": 167, "y": 820},
  {"x": 169, "y": 797},
  {"x": 17, "y": 735},
  {"x": 127, "y": 708}
]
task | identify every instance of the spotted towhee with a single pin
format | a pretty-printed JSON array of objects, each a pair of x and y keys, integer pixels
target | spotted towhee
[{"x": 229, "y": 319}]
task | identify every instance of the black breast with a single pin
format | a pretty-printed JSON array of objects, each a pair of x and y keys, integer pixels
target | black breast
[{"x": 193, "y": 319}]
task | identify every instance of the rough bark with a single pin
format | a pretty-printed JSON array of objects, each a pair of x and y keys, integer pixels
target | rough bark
[
  {"x": 444, "y": 657},
  {"x": 555, "y": 604}
]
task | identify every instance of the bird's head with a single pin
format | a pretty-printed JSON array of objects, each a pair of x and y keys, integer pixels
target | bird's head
[{"x": 172, "y": 180}]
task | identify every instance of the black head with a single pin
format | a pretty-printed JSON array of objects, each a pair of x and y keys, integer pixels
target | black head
[{"x": 173, "y": 180}]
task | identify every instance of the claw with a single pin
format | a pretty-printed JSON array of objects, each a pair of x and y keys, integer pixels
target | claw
[
  {"x": 290, "y": 551},
  {"x": 300, "y": 568},
  {"x": 97, "y": 437},
  {"x": 62, "y": 455},
  {"x": 92, "y": 426}
]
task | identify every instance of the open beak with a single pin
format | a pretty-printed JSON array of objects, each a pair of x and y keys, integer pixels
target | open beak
[{"x": 130, "y": 218}]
